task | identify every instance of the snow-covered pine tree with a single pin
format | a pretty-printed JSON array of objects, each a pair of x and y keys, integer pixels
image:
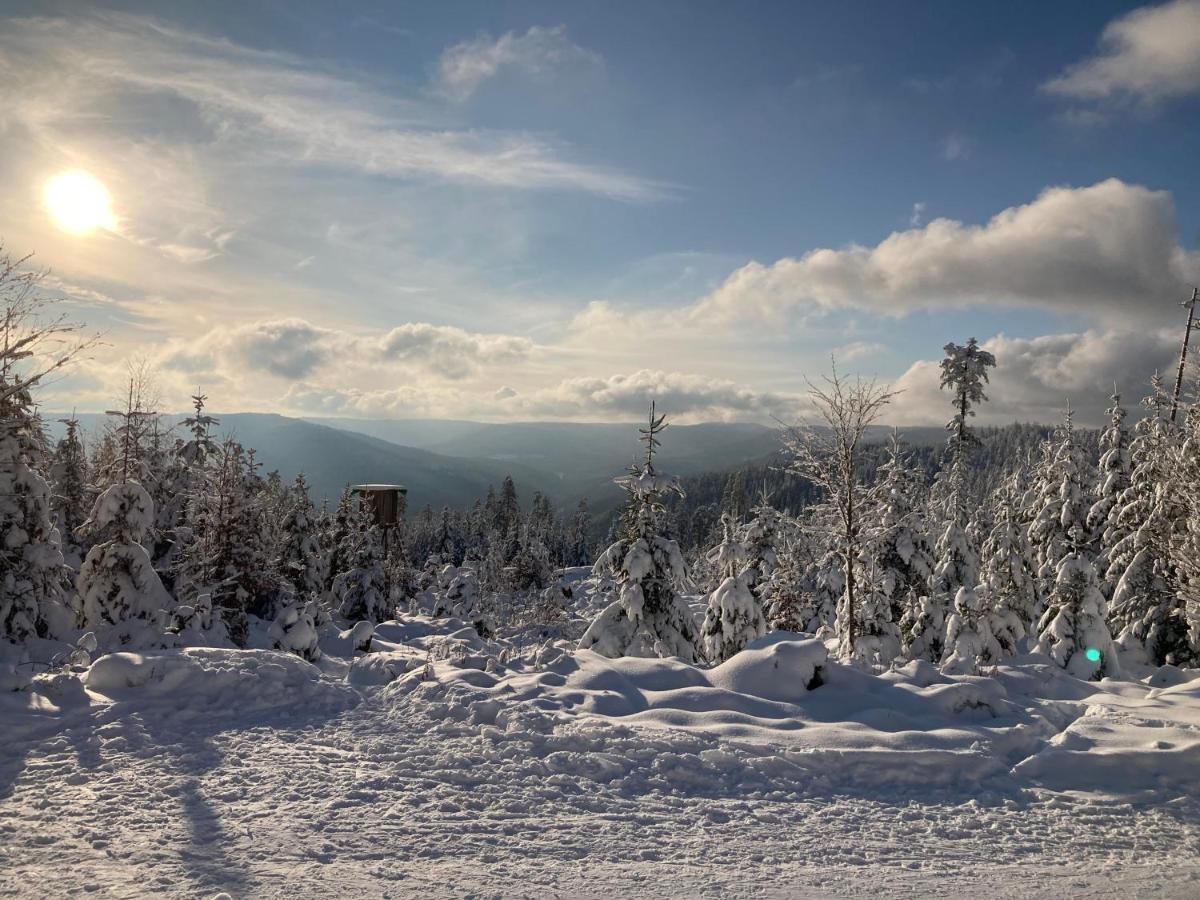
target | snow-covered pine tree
[
  {"x": 734, "y": 616},
  {"x": 34, "y": 343},
  {"x": 70, "y": 500},
  {"x": 1063, "y": 505},
  {"x": 295, "y": 630},
  {"x": 32, "y": 572},
  {"x": 360, "y": 591},
  {"x": 759, "y": 537},
  {"x": 877, "y": 639},
  {"x": 229, "y": 556},
  {"x": 1072, "y": 630},
  {"x": 901, "y": 547},
  {"x": 1185, "y": 539},
  {"x": 970, "y": 643},
  {"x": 530, "y": 567},
  {"x": 578, "y": 536},
  {"x": 1008, "y": 589},
  {"x": 789, "y": 592},
  {"x": 964, "y": 372},
  {"x": 122, "y": 599},
  {"x": 334, "y": 536},
  {"x": 1116, "y": 466},
  {"x": 1146, "y": 610},
  {"x": 649, "y": 617},
  {"x": 956, "y": 555},
  {"x": 300, "y": 559}
]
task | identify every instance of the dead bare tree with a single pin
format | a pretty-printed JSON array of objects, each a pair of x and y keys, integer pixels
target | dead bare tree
[
  {"x": 34, "y": 342},
  {"x": 827, "y": 452}
]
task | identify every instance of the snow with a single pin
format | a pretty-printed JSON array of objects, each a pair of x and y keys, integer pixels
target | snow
[{"x": 444, "y": 764}]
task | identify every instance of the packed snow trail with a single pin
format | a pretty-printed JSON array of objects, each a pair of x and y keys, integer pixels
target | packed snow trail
[{"x": 250, "y": 772}]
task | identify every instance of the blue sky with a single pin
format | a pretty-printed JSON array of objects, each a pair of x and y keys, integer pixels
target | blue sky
[{"x": 522, "y": 210}]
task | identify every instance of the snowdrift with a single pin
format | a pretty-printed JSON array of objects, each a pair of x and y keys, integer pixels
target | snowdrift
[
  {"x": 209, "y": 681},
  {"x": 779, "y": 718}
]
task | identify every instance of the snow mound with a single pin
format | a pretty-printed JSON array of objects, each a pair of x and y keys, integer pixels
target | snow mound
[
  {"x": 235, "y": 682},
  {"x": 1126, "y": 743},
  {"x": 782, "y": 702}
]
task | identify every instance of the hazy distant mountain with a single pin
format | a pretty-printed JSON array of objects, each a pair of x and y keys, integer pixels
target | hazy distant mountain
[
  {"x": 331, "y": 458},
  {"x": 452, "y": 463}
]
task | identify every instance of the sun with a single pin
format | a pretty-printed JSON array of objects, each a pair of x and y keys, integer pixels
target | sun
[{"x": 79, "y": 203}]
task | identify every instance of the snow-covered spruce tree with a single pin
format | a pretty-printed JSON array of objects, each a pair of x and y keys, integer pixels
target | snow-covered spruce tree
[
  {"x": 295, "y": 630},
  {"x": 70, "y": 500},
  {"x": 1062, "y": 505},
  {"x": 530, "y": 567},
  {"x": 970, "y": 643},
  {"x": 1008, "y": 589},
  {"x": 734, "y": 616},
  {"x": 828, "y": 457},
  {"x": 300, "y": 559},
  {"x": 121, "y": 596},
  {"x": 32, "y": 572},
  {"x": 956, "y": 555},
  {"x": 578, "y": 536},
  {"x": 759, "y": 537},
  {"x": 360, "y": 591},
  {"x": 1145, "y": 612},
  {"x": 649, "y": 618},
  {"x": 789, "y": 595},
  {"x": 458, "y": 595},
  {"x": 229, "y": 557},
  {"x": 1116, "y": 467},
  {"x": 1185, "y": 540},
  {"x": 1146, "y": 606},
  {"x": 901, "y": 546},
  {"x": 877, "y": 639},
  {"x": 1072, "y": 630},
  {"x": 34, "y": 343},
  {"x": 333, "y": 537}
]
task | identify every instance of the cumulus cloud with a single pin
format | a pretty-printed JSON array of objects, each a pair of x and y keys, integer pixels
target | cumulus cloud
[
  {"x": 287, "y": 348},
  {"x": 1150, "y": 54},
  {"x": 538, "y": 52},
  {"x": 271, "y": 105},
  {"x": 295, "y": 349},
  {"x": 451, "y": 351},
  {"x": 1109, "y": 251},
  {"x": 1035, "y": 377}
]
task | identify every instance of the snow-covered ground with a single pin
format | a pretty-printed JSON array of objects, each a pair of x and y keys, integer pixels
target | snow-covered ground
[{"x": 440, "y": 766}]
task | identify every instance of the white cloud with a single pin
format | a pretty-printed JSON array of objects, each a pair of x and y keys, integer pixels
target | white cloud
[
  {"x": 1149, "y": 54},
  {"x": 270, "y": 106},
  {"x": 294, "y": 349},
  {"x": 687, "y": 397},
  {"x": 1035, "y": 378},
  {"x": 451, "y": 351},
  {"x": 1108, "y": 251},
  {"x": 539, "y": 52}
]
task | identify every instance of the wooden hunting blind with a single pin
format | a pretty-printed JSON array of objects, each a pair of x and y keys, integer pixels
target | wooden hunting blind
[{"x": 384, "y": 500}]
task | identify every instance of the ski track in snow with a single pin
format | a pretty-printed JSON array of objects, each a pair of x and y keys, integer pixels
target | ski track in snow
[{"x": 307, "y": 787}]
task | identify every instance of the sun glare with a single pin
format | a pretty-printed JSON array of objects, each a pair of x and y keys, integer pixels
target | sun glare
[{"x": 79, "y": 203}]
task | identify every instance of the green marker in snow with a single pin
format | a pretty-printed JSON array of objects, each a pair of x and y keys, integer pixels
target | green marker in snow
[{"x": 1092, "y": 654}]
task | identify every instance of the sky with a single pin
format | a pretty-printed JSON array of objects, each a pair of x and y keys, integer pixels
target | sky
[{"x": 515, "y": 211}]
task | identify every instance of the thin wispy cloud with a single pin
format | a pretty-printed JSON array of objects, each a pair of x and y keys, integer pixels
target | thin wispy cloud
[
  {"x": 269, "y": 105},
  {"x": 540, "y": 53}
]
